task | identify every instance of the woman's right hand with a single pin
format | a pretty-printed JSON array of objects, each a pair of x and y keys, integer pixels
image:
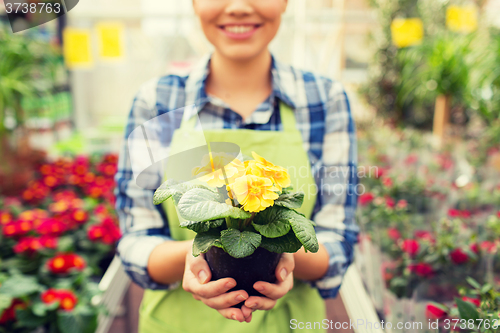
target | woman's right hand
[{"x": 196, "y": 280}]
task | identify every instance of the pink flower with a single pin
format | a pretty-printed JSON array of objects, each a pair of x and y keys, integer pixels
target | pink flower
[
  {"x": 453, "y": 212},
  {"x": 434, "y": 312},
  {"x": 488, "y": 246},
  {"x": 390, "y": 202},
  {"x": 366, "y": 198},
  {"x": 393, "y": 234},
  {"x": 411, "y": 159},
  {"x": 422, "y": 269},
  {"x": 410, "y": 246},
  {"x": 402, "y": 204},
  {"x": 387, "y": 181},
  {"x": 474, "y": 301},
  {"x": 458, "y": 256},
  {"x": 424, "y": 235}
]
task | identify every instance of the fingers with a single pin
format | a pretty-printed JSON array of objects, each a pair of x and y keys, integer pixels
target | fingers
[
  {"x": 233, "y": 313},
  {"x": 286, "y": 265},
  {"x": 226, "y": 300},
  {"x": 260, "y": 303},
  {"x": 210, "y": 289},
  {"x": 199, "y": 268}
]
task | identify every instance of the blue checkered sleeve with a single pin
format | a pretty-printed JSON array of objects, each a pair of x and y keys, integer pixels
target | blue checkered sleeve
[
  {"x": 336, "y": 176},
  {"x": 143, "y": 224}
]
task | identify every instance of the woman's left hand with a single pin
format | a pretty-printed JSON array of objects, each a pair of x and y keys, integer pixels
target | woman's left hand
[{"x": 272, "y": 291}]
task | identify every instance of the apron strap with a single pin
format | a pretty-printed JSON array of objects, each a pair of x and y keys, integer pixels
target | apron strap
[{"x": 286, "y": 114}]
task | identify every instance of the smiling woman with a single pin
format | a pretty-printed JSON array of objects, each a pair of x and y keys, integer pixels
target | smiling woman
[{"x": 294, "y": 118}]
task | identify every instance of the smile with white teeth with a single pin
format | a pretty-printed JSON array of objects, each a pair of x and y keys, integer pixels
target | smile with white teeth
[{"x": 239, "y": 29}]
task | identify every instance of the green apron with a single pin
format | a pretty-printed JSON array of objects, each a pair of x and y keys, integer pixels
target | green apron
[{"x": 176, "y": 310}]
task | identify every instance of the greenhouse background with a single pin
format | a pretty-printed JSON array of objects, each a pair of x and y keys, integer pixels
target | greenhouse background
[{"x": 423, "y": 78}]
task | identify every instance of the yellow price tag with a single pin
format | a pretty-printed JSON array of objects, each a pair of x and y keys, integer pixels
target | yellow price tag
[
  {"x": 407, "y": 32},
  {"x": 110, "y": 36},
  {"x": 462, "y": 18},
  {"x": 77, "y": 49}
]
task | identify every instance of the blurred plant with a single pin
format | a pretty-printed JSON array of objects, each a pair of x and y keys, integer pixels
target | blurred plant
[
  {"x": 55, "y": 241},
  {"x": 25, "y": 62},
  {"x": 477, "y": 310}
]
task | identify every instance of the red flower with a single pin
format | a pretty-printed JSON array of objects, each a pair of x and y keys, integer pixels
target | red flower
[
  {"x": 380, "y": 172},
  {"x": 474, "y": 248},
  {"x": 402, "y": 204},
  {"x": 67, "y": 299},
  {"x": 5, "y": 218},
  {"x": 424, "y": 235},
  {"x": 9, "y": 314},
  {"x": 387, "y": 181},
  {"x": 80, "y": 216},
  {"x": 51, "y": 227},
  {"x": 434, "y": 312},
  {"x": 411, "y": 159},
  {"x": 393, "y": 233},
  {"x": 9, "y": 230},
  {"x": 48, "y": 242},
  {"x": 28, "y": 245},
  {"x": 421, "y": 269},
  {"x": 63, "y": 263},
  {"x": 390, "y": 202},
  {"x": 410, "y": 246},
  {"x": 498, "y": 214},
  {"x": 474, "y": 301},
  {"x": 107, "y": 231},
  {"x": 488, "y": 246},
  {"x": 95, "y": 232},
  {"x": 50, "y": 296},
  {"x": 453, "y": 212},
  {"x": 459, "y": 257},
  {"x": 366, "y": 198},
  {"x": 456, "y": 213}
]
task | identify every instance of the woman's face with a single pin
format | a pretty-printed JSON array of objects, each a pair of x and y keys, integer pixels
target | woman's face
[{"x": 240, "y": 29}]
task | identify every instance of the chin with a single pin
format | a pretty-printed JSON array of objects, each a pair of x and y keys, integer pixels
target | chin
[{"x": 240, "y": 52}]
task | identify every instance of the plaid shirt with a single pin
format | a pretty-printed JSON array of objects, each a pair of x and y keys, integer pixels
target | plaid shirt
[{"x": 323, "y": 118}]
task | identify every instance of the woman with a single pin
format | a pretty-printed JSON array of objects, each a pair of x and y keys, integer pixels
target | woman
[{"x": 240, "y": 88}]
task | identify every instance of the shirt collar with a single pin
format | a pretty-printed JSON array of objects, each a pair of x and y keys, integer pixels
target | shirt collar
[{"x": 283, "y": 83}]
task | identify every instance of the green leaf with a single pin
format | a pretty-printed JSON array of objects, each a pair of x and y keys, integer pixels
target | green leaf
[
  {"x": 487, "y": 287},
  {"x": 77, "y": 321},
  {"x": 205, "y": 240},
  {"x": 28, "y": 319},
  {"x": 304, "y": 230},
  {"x": 203, "y": 205},
  {"x": 290, "y": 200},
  {"x": 288, "y": 243},
  {"x": 467, "y": 310},
  {"x": 5, "y": 302},
  {"x": 272, "y": 222},
  {"x": 19, "y": 285},
  {"x": 173, "y": 188},
  {"x": 473, "y": 282},
  {"x": 240, "y": 244},
  {"x": 202, "y": 226},
  {"x": 40, "y": 309}
]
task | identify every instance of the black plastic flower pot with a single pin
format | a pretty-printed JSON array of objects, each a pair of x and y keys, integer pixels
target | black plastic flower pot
[{"x": 259, "y": 266}]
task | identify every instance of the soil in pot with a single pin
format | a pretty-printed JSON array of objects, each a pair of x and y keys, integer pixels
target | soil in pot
[{"x": 259, "y": 266}]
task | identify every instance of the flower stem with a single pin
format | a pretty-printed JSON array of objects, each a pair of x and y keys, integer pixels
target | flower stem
[{"x": 249, "y": 220}]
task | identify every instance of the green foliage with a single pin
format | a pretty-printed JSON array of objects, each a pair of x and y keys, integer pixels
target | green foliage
[
  {"x": 200, "y": 204},
  {"x": 278, "y": 228},
  {"x": 23, "y": 60},
  {"x": 240, "y": 244},
  {"x": 403, "y": 82}
]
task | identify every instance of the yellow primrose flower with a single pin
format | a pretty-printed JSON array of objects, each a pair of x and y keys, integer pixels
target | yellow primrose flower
[
  {"x": 254, "y": 193},
  {"x": 263, "y": 168},
  {"x": 211, "y": 167}
]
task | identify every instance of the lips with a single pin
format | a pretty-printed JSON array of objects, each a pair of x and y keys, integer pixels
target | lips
[{"x": 239, "y": 28}]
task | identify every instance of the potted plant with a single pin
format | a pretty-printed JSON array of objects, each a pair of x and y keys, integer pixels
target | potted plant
[{"x": 244, "y": 219}]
